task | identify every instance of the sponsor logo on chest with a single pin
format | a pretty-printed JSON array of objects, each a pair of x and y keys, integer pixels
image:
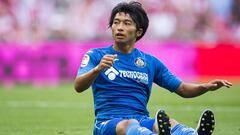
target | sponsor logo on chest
[{"x": 112, "y": 73}]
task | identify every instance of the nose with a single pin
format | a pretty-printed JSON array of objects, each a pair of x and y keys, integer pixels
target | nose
[{"x": 120, "y": 27}]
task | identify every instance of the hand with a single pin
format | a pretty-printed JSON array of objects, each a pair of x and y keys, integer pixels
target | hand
[
  {"x": 216, "y": 84},
  {"x": 106, "y": 62}
]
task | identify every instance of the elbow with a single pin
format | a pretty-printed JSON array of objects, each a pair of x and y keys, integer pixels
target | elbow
[
  {"x": 78, "y": 89},
  {"x": 81, "y": 84},
  {"x": 183, "y": 93}
]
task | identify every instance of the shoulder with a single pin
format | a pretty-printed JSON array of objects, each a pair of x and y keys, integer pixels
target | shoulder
[
  {"x": 151, "y": 60},
  {"x": 147, "y": 56},
  {"x": 98, "y": 51}
]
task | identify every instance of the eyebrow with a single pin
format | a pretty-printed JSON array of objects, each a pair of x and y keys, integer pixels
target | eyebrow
[{"x": 126, "y": 20}]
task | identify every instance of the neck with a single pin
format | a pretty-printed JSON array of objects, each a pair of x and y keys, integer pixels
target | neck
[{"x": 123, "y": 48}]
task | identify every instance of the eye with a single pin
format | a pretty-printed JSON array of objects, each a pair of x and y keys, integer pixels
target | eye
[
  {"x": 115, "y": 22},
  {"x": 128, "y": 23}
]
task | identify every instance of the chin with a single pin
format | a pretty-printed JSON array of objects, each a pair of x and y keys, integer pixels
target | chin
[{"x": 120, "y": 41}]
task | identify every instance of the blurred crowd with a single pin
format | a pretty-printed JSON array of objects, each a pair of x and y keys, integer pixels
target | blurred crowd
[{"x": 32, "y": 21}]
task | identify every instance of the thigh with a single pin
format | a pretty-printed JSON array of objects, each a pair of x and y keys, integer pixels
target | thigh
[{"x": 106, "y": 127}]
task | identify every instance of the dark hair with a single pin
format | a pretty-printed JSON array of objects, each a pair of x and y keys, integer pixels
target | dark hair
[{"x": 136, "y": 12}]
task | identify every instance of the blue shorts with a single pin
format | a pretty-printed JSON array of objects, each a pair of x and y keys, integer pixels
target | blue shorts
[{"x": 109, "y": 127}]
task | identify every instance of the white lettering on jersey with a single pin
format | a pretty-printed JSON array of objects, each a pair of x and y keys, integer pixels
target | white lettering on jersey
[
  {"x": 140, "y": 76},
  {"x": 112, "y": 73}
]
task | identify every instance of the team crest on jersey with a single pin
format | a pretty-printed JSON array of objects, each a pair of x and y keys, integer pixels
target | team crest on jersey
[
  {"x": 85, "y": 60},
  {"x": 139, "y": 62}
]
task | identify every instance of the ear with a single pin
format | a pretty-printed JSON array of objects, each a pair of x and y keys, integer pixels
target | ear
[{"x": 139, "y": 32}]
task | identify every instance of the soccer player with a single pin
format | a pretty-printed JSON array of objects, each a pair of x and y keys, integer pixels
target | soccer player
[{"x": 122, "y": 76}]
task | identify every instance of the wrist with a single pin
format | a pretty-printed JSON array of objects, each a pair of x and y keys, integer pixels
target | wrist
[{"x": 96, "y": 69}]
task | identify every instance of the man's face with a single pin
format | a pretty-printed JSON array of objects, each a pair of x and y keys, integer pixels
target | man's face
[{"x": 124, "y": 28}]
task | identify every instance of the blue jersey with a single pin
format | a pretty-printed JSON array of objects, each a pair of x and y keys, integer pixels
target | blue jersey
[{"x": 124, "y": 89}]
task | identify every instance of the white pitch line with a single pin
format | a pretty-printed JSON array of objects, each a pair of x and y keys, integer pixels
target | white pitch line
[
  {"x": 47, "y": 104},
  {"x": 198, "y": 107},
  {"x": 55, "y": 104}
]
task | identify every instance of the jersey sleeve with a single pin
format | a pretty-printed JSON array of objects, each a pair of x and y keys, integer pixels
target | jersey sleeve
[
  {"x": 164, "y": 78},
  {"x": 89, "y": 61}
]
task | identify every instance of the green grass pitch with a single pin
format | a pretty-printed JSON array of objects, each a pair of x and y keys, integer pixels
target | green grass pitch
[{"x": 25, "y": 110}]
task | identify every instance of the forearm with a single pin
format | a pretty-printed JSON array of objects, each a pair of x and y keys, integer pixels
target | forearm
[
  {"x": 84, "y": 81},
  {"x": 189, "y": 90}
]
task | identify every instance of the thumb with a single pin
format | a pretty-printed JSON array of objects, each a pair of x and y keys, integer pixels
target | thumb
[{"x": 214, "y": 84}]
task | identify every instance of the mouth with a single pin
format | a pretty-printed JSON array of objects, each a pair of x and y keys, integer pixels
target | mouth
[{"x": 120, "y": 35}]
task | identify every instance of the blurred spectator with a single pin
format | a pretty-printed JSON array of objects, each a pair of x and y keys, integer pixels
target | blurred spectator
[
  {"x": 236, "y": 12},
  {"x": 235, "y": 24},
  {"x": 8, "y": 23},
  {"x": 88, "y": 18},
  {"x": 163, "y": 21},
  {"x": 33, "y": 21}
]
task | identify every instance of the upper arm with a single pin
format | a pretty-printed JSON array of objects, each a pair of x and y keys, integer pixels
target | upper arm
[
  {"x": 164, "y": 77},
  {"x": 84, "y": 76},
  {"x": 89, "y": 61}
]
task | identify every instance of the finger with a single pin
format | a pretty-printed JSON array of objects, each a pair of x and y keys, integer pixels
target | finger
[
  {"x": 228, "y": 86},
  {"x": 106, "y": 65},
  {"x": 227, "y": 82},
  {"x": 109, "y": 58},
  {"x": 224, "y": 83},
  {"x": 108, "y": 62}
]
